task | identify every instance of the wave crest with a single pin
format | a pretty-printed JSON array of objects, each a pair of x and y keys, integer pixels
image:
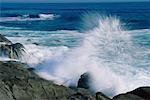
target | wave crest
[
  {"x": 107, "y": 53},
  {"x": 29, "y": 17}
]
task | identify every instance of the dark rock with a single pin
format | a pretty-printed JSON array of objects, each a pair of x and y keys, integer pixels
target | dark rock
[
  {"x": 31, "y": 69},
  {"x": 17, "y": 45},
  {"x": 15, "y": 51},
  {"x": 78, "y": 96},
  {"x": 29, "y": 40},
  {"x": 142, "y": 93},
  {"x": 16, "y": 33},
  {"x": 82, "y": 94},
  {"x": 3, "y": 39},
  {"x": 101, "y": 96},
  {"x": 8, "y": 49},
  {"x": 18, "y": 83},
  {"x": 127, "y": 97},
  {"x": 35, "y": 43},
  {"x": 84, "y": 81}
]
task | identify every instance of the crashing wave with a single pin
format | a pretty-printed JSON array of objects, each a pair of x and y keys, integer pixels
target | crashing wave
[
  {"x": 29, "y": 17},
  {"x": 106, "y": 50},
  {"x": 46, "y": 16}
]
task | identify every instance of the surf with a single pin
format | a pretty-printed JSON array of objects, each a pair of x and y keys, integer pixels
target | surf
[
  {"x": 29, "y": 17},
  {"x": 106, "y": 51}
]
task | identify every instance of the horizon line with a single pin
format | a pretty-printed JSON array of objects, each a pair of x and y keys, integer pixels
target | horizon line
[{"x": 84, "y": 2}]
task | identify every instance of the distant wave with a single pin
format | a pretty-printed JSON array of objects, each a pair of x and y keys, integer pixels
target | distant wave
[{"x": 29, "y": 17}]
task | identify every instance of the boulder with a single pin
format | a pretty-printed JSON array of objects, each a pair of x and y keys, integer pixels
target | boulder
[
  {"x": 84, "y": 81},
  {"x": 19, "y": 82},
  {"x": 82, "y": 94},
  {"x": 127, "y": 97},
  {"x": 141, "y": 93},
  {"x": 8, "y": 49},
  {"x": 101, "y": 96},
  {"x": 4, "y": 40}
]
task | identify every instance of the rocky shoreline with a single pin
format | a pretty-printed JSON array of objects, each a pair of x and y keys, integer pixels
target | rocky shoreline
[{"x": 19, "y": 82}]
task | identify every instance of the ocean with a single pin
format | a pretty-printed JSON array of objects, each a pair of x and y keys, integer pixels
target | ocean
[{"x": 111, "y": 41}]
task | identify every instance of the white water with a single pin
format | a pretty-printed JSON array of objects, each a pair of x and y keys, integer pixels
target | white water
[
  {"x": 106, "y": 52},
  {"x": 27, "y": 18},
  {"x": 46, "y": 16}
]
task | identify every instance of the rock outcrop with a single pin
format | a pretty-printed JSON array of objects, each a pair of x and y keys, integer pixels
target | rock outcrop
[
  {"x": 84, "y": 81},
  {"x": 101, "y": 96},
  {"x": 19, "y": 82},
  {"x": 4, "y": 39},
  {"x": 8, "y": 49},
  {"x": 142, "y": 93}
]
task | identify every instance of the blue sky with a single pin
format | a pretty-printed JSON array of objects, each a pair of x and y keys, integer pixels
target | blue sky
[{"x": 46, "y": 1}]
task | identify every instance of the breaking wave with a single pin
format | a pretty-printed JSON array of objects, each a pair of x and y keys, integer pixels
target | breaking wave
[
  {"x": 115, "y": 63},
  {"x": 29, "y": 17},
  {"x": 107, "y": 53}
]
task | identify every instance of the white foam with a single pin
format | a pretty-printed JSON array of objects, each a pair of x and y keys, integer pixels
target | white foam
[
  {"x": 5, "y": 19},
  {"x": 27, "y": 18},
  {"x": 107, "y": 53},
  {"x": 46, "y": 16},
  {"x": 38, "y": 54}
]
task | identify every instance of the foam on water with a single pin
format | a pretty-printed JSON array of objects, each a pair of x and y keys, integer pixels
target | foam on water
[
  {"x": 36, "y": 55},
  {"x": 45, "y": 38},
  {"x": 29, "y": 17},
  {"x": 115, "y": 63},
  {"x": 46, "y": 16},
  {"x": 107, "y": 53}
]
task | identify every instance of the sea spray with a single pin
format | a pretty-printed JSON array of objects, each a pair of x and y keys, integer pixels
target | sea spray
[
  {"x": 100, "y": 46},
  {"x": 106, "y": 52}
]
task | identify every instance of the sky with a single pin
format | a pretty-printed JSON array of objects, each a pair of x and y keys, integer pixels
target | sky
[{"x": 61, "y": 1}]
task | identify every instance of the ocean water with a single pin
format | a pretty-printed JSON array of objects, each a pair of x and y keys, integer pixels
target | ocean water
[{"x": 111, "y": 41}]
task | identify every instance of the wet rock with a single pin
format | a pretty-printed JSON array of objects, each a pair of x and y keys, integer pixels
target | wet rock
[
  {"x": 142, "y": 93},
  {"x": 29, "y": 40},
  {"x": 127, "y": 97},
  {"x": 84, "y": 81},
  {"x": 82, "y": 94},
  {"x": 35, "y": 43},
  {"x": 79, "y": 96},
  {"x": 4, "y": 39},
  {"x": 101, "y": 96},
  {"x": 17, "y": 82},
  {"x": 31, "y": 69},
  {"x": 10, "y": 50},
  {"x": 15, "y": 51}
]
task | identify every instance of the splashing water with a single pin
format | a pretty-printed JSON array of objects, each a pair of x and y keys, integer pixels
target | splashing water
[{"x": 106, "y": 52}]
